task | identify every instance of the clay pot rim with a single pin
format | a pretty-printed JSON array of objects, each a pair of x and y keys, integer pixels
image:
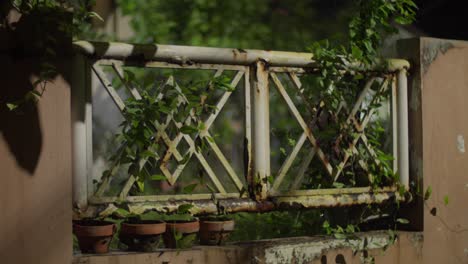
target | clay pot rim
[
  {"x": 94, "y": 228},
  {"x": 92, "y": 223},
  {"x": 217, "y": 226},
  {"x": 144, "y": 222},
  {"x": 181, "y": 221},
  {"x": 216, "y": 221},
  {"x": 183, "y": 227},
  {"x": 143, "y": 228}
]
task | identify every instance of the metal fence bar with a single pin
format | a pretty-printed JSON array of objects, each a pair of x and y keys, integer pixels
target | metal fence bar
[
  {"x": 261, "y": 125},
  {"x": 233, "y": 205},
  {"x": 394, "y": 113},
  {"x": 79, "y": 127},
  {"x": 403, "y": 138},
  {"x": 193, "y": 55}
]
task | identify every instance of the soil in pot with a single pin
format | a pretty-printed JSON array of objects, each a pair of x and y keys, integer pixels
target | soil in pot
[
  {"x": 142, "y": 235},
  {"x": 215, "y": 230},
  {"x": 181, "y": 234},
  {"x": 93, "y": 236}
]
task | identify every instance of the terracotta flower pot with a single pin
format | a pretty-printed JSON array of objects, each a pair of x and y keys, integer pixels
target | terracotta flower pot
[
  {"x": 94, "y": 236},
  {"x": 215, "y": 231},
  {"x": 142, "y": 235},
  {"x": 181, "y": 234}
]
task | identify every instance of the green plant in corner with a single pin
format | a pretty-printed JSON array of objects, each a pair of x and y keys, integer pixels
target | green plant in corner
[
  {"x": 344, "y": 69},
  {"x": 42, "y": 29}
]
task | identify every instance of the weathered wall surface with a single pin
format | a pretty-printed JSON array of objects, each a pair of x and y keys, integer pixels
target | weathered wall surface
[
  {"x": 35, "y": 169},
  {"x": 438, "y": 130},
  {"x": 444, "y": 104}
]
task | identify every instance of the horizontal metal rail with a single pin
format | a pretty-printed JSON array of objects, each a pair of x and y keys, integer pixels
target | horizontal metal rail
[{"x": 189, "y": 55}]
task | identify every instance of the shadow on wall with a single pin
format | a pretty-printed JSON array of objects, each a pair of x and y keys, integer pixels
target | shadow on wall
[
  {"x": 22, "y": 52},
  {"x": 21, "y": 130}
]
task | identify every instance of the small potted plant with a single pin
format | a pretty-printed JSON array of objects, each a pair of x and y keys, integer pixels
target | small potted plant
[
  {"x": 140, "y": 233},
  {"x": 94, "y": 236},
  {"x": 214, "y": 230},
  {"x": 182, "y": 228}
]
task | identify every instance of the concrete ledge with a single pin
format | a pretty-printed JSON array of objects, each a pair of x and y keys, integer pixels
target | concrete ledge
[{"x": 317, "y": 249}]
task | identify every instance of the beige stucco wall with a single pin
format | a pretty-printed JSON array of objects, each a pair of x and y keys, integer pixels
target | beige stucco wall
[
  {"x": 444, "y": 93},
  {"x": 35, "y": 168}
]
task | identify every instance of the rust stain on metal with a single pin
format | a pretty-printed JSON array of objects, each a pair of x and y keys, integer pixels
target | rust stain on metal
[{"x": 202, "y": 207}]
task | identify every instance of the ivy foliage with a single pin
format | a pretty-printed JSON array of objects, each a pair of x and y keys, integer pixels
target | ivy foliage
[
  {"x": 186, "y": 106},
  {"x": 344, "y": 69},
  {"x": 44, "y": 28}
]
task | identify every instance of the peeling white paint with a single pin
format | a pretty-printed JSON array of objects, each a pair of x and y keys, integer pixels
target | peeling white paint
[
  {"x": 461, "y": 144},
  {"x": 307, "y": 252}
]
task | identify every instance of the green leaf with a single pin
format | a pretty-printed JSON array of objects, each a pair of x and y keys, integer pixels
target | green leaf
[
  {"x": 188, "y": 129},
  {"x": 120, "y": 212},
  {"x": 177, "y": 235},
  {"x": 356, "y": 52},
  {"x": 291, "y": 142},
  {"x": 189, "y": 188},
  {"x": 350, "y": 229},
  {"x": 283, "y": 151},
  {"x": 186, "y": 241},
  {"x": 147, "y": 154},
  {"x": 270, "y": 179},
  {"x": 158, "y": 177},
  {"x": 338, "y": 185},
  {"x": 210, "y": 139},
  {"x": 129, "y": 76},
  {"x": 403, "y": 221},
  {"x": 12, "y": 106},
  {"x": 446, "y": 200},
  {"x": 339, "y": 236},
  {"x": 184, "y": 208},
  {"x": 428, "y": 193},
  {"x": 95, "y": 15},
  {"x": 141, "y": 185}
]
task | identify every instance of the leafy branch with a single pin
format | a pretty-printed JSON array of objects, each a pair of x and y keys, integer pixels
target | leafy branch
[
  {"x": 47, "y": 22},
  {"x": 344, "y": 70}
]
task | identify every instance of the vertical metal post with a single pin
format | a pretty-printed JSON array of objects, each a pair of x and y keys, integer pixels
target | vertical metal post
[
  {"x": 394, "y": 114},
  {"x": 403, "y": 138},
  {"x": 261, "y": 127},
  {"x": 79, "y": 146}
]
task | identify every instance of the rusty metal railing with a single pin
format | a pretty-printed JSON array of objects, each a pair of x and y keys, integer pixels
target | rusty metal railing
[{"x": 258, "y": 72}]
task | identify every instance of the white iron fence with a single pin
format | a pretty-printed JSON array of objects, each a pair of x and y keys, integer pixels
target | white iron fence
[{"x": 257, "y": 77}]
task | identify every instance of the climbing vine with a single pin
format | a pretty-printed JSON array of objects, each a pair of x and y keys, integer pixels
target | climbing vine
[{"x": 344, "y": 70}]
